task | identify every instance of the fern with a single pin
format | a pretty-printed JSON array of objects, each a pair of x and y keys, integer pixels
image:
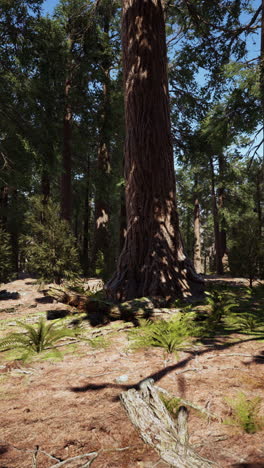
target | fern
[
  {"x": 250, "y": 323},
  {"x": 35, "y": 339},
  {"x": 220, "y": 302},
  {"x": 171, "y": 335},
  {"x": 245, "y": 413}
]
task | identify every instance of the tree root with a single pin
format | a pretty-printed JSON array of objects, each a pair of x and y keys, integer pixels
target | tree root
[{"x": 148, "y": 413}]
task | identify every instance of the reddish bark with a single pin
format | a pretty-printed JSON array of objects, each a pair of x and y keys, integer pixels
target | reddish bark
[{"x": 153, "y": 262}]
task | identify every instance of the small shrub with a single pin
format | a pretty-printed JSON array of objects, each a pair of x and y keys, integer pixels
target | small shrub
[
  {"x": 36, "y": 338},
  {"x": 98, "y": 342},
  {"x": 49, "y": 249},
  {"x": 5, "y": 256},
  {"x": 250, "y": 323},
  {"x": 171, "y": 336},
  {"x": 245, "y": 413},
  {"x": 220, "y": 302}
]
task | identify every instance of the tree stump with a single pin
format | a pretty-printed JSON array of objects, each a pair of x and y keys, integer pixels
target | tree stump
[{"x": 148, "y": 413}]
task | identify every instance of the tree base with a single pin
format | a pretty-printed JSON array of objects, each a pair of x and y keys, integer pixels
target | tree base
[{"x": 179, "y": 280}]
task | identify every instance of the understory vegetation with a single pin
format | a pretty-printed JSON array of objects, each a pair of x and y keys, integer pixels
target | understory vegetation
[{"x": 228, "y": 312}]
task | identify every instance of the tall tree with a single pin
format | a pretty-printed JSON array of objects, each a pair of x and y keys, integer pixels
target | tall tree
[
  {"x": 104, "y": 180},
  {"x": 153, "y": 262},
  {"x": 197, "y": 235}
]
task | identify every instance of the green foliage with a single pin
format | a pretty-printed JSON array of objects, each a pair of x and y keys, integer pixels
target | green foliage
[
  {"x": 250, "y": 323},
  {"x": 248, "y": 242},
  {"x": 99, "y": 263},
  {"x": 35, "y": 339},
  {"x": 171, "y": 336},
  {"x": 171, "y": 404},
  {"x": 5, "y": 256},
  {"x": 99, "y": 342},
  {"x": 220, "y": 302},
  {"x": 245, "y": 413},
  {"x": 50, "y": 247}
]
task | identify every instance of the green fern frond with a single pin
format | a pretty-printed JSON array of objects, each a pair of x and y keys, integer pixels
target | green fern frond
[
  {"x": 35, "y": 338},
  {"x": 171, "y": 336},
  {"x": 245, "y": 413}
]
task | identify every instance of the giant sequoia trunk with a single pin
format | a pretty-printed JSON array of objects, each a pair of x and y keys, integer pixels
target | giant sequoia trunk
[{"x": 153, "y": 262}]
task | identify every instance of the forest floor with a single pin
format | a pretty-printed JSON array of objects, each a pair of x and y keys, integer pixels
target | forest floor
[{"x": 55, "y": 410}]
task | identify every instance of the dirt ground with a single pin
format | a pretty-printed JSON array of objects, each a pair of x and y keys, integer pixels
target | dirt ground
[{"x": 52, "y": 411}]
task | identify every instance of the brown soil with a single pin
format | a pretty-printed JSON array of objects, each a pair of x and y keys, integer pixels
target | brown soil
[{"x": 52, "y": 411}]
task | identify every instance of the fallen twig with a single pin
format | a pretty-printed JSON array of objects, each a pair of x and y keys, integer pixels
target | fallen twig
[
  {"x": 91, "y": 454},
  {"x": 234, "y": 354}
]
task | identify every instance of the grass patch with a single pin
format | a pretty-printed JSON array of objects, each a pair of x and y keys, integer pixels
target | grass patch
[
  {"x": 171, "y": 404},
  {"x": 36, "y": 339},
  {"x": 245, "y": 413},
  {"x": 99, "y": 342},
  {"x": 172, "y": 335}
]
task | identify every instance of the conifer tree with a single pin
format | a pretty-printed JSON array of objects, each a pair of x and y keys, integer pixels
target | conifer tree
[
  {"x": 153, "y": 262},
  {"x": 50, "y": 250}
]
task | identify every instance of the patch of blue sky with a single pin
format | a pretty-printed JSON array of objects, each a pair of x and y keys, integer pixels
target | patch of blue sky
[{"x": 48, "y": 6}]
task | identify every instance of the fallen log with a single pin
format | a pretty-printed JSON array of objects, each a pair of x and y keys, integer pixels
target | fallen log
[
  {"x": 148, "y": 413},
  {"x": 134, "y": 310}
]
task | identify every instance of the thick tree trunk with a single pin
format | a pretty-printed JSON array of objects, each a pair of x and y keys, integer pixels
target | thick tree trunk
[
  {"x": 219, "y": 264},
  {"x": 261, "y": 182},
  {"x": 153, "y": 262},
  {"x": 262, "y": 62}
]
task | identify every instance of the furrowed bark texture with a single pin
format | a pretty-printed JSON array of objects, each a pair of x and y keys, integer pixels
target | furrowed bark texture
[
  {"x": 152, "y": 262},
  {"x": 148, "y": 413}
]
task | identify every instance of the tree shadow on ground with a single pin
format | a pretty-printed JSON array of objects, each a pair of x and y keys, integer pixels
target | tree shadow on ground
[
  {"x": 212, "y": 345},
  {"x": 44, "y": 300},
  {"x": 259, "y": 358},
  {"x": 248, "y": 465},
  {"x": 102, "y": 317},
  {"x": 57, "y": 314},
  {"x": 6, "y": 295},
  {"x": 3, "y": 449}
]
